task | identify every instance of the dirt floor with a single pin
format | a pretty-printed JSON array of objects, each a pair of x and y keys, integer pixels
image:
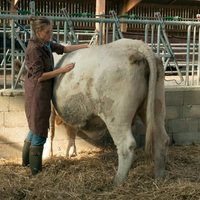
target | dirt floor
[{"x": 89, "y": 176}]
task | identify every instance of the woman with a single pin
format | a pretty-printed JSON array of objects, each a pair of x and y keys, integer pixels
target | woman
[{"x": 39, "y": 87}]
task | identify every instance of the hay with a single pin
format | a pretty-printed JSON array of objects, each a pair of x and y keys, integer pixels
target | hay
[{"x": 89, "y": 176}]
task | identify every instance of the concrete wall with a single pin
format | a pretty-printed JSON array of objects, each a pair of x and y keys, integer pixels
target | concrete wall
[
  {"x": 182, "y": 123},
  {"x": 14, "y": 128},
  {"x": 13, "y": 125},
  {"x": 183, "y": 115}
]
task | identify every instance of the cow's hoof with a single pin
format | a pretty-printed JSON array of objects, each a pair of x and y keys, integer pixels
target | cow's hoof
[
  {"x": 72, "y": 155},
  {"x": 119, "y": 180},
  {"x": 71, "y": 151}
]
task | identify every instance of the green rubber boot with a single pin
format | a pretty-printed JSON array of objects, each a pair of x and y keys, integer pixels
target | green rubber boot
[
  {"x": 25, "y": 153},
  {"x": 35, "y": 158}
]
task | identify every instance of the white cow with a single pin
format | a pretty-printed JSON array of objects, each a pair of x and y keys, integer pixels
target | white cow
[{"x": 109, "y": 85}]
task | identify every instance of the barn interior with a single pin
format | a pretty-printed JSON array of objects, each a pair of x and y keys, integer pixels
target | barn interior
[
  {"x": 91, "y": 173},
  {"x": 173, "y": 11}
]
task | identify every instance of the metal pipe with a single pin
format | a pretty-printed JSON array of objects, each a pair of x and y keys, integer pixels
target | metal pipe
[
  {"x": 146, "y": 33},
  {"x": 4, "y": 54},
  {"x": 158, "y": 40},
  {"x": 193, "y": 52},
  {"x": 152, "y": 36},
  {"x": 104, "y": 20},
  {"x": 58, "y": 32},
  {"x": 65, "y": 32},
  {"x": 12, "y": 54},
  {"x": 188, "y": 55},
  {"x": 101, "y": 33},
  {"x": 107, "y": 31},
  {"x": 114, "y": 32},
  {"x": 198, "y": 67}
]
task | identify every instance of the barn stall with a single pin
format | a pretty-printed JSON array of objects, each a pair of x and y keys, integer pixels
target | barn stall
[{"x": 89, "y": 176}]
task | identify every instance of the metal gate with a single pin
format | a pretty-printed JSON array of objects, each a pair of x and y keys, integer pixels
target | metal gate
[{"x": 15, "y": 32}]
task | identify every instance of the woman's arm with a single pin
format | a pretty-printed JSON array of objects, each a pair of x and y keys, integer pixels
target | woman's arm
[
  {"x": 56, "y": 72},
  {"x": 75, "y": 47},
  {"x": 66, "y": 68}
]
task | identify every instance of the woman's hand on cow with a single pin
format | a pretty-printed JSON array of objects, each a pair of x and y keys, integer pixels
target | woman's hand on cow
[
  {"x": 68, "y": 67},
  {"x": 56, "y": 72}
]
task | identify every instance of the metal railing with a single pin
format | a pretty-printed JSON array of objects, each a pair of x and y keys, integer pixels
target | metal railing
[{"x": 187, "y": 52}]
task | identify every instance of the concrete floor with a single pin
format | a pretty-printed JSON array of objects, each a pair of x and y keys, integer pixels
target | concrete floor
[{"x": 11, "y": 149}]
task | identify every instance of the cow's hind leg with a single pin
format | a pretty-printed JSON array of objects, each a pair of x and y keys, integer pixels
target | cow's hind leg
[
  {"x": 126, "y": 144},
  {"x": 71, "y": 148}
]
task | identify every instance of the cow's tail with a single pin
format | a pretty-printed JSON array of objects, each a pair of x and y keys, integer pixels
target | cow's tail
[{"x": 150, "y": 110}]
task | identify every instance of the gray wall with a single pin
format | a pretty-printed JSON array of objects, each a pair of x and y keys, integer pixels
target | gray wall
[{"x": 183, "y": 114}]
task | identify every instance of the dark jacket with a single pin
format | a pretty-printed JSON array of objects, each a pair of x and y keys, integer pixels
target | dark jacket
[{"x": 38, "y": 95}]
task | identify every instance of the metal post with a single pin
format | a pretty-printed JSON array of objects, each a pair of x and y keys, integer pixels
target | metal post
[
  {"x": 32, "y": 7},
  {"x": 188, "y": 56},
  {"x": 58, "y": 32},
  {"x": 193, "y": 52},
  {"x": 198, "y": 67},
  {"x": 101, "y": 33},
  {"x": 166, "y": 43},
  {"x": 107, "y": 30},
  {"x": 152, "y": 36},
  {"x": 118, "y": 34},
  {"x": 146, "y": 33},
  {"x": 114, "y": 32},
  {"x": 12, "y": 54},
  {"x": 65, "y": 32},
  {"x": 158, "y": 40},
  {"x": 4, "y": 54},
  {"x": 69, "y": 22}
]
